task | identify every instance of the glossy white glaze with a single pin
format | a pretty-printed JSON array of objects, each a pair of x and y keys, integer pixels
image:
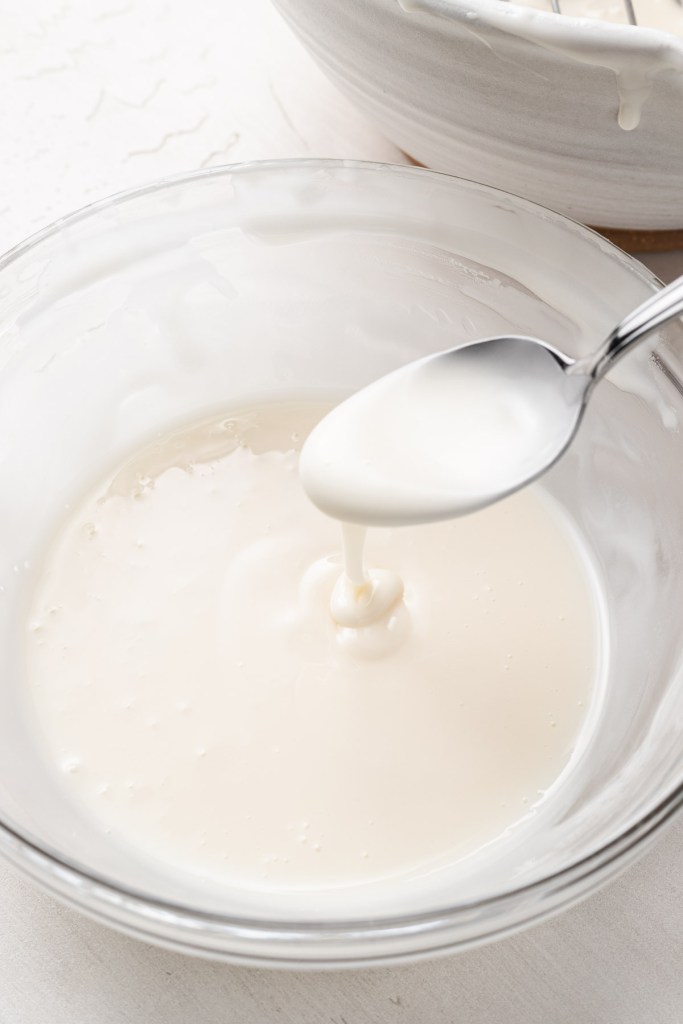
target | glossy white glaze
[{"x": 199, "y": 701}]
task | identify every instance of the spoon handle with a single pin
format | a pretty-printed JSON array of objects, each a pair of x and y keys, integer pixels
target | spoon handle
[{"x": 665, "y": 305}]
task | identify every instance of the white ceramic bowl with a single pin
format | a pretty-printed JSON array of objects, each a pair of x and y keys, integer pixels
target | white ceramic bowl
[{"x": 520, "y": 99}]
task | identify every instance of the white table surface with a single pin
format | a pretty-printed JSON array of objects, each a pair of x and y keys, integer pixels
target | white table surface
[{"x": 98, "y": 95}]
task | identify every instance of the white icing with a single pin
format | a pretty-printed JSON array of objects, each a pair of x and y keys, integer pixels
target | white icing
[
  {"x": 202, "y": 706},
  {"x": 361, "y": 597}
]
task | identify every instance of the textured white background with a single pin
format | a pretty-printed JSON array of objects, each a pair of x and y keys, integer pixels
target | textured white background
[{"x": 98, "y": 95}]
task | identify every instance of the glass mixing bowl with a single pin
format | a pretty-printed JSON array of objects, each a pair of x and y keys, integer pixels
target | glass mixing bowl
[{"x": 316, "y": 277}]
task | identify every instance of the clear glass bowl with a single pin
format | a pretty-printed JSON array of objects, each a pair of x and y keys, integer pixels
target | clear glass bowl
[{"x": 318, "y": 276}]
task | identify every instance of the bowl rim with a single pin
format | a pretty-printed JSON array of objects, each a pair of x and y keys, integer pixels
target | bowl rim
[
  {"x": 44, "y": 863},
  {"x": 576, "y": 29}
]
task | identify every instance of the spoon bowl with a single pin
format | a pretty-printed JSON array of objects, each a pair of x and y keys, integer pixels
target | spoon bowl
[{"x": 456, "y": 431}]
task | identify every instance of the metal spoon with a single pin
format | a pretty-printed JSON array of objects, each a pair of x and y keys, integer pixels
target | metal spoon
[{"x": 461, "y": 429}]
